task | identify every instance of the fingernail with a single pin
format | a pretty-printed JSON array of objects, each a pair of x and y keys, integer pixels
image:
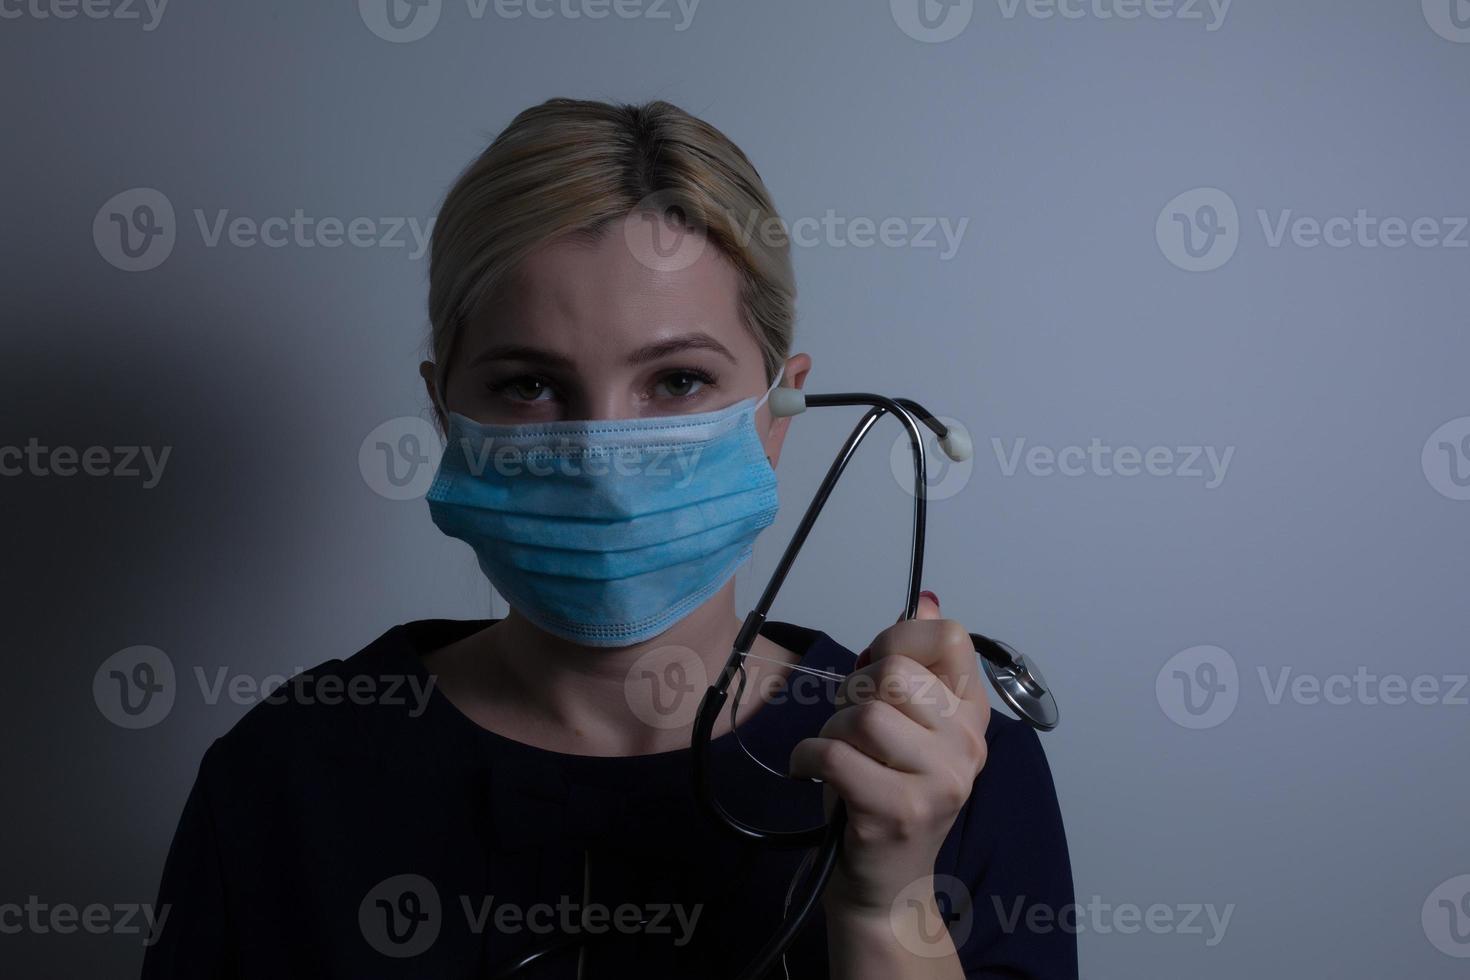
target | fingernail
[{"x": 932, "y": 597}]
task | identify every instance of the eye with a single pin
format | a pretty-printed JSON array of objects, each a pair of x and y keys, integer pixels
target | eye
[
  {"x": 525, "y": 388},
  {"x": 683, "y": 383}
]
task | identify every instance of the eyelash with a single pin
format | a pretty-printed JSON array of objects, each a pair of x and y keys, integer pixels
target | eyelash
[{"x": 505, "y": 388}]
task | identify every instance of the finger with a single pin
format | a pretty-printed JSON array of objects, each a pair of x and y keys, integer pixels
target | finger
[
  {"x": 861, "y": 781},
  {"x": 884, "y": 733},
  {"x": 941, "y": 645},
  {"x": 911, "y": 688},
  {"x": 927, "y": 608}
]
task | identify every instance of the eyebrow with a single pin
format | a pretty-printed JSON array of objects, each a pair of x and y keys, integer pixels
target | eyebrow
[
  {"x": 688, "y": 341},
  {"x": 643, "y": 355}
]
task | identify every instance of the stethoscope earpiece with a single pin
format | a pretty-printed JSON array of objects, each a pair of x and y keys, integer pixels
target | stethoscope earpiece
[{"x": 785, "y": 402}]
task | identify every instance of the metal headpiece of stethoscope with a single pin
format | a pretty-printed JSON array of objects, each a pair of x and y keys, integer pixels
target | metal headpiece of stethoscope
[{"x": 1015, "y": 678}]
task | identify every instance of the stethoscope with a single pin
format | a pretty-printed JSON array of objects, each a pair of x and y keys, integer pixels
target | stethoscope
[{"x": 1014, "y": 677}]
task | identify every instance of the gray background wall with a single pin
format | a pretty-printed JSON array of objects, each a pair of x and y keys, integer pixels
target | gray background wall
[{"x": 1335, "y": 375}]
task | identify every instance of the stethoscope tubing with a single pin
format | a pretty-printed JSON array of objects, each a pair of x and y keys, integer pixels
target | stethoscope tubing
[{"x": 827, "y": 838}]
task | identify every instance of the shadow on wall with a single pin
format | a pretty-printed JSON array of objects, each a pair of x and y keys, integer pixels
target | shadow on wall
[{"x": 149, "y": 498}]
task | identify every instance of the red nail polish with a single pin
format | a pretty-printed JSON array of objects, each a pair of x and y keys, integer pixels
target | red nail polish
[{"x": 932, "y": 597}]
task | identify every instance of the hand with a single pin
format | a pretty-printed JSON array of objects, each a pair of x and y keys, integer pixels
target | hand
[{"x": 903, "y": 751}]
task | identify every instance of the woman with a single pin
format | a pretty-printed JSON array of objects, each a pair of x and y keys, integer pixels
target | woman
[{"x": 605, "y": 331}]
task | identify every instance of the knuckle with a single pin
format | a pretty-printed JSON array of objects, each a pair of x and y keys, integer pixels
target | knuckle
[
  {"x": 868, "y": 833},
  {"x": 897, "y": 684},
  {"x": 954, "y": 791},
  {"x": 963, "y": 787},
  {"x": 979, "y": 750},
  {"x": 829, "y": 754},
  {"x": 954, "y": 639},
  {"x": 898, "y": 665},
  {"x": 915, "y": 813},
  {"x": 870, "y": 721}
]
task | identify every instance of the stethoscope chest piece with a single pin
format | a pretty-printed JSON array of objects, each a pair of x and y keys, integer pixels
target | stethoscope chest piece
[{"x": 1018, "y": 681}]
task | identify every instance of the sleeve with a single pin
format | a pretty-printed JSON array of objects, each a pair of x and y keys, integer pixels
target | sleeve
[
  {"x": 1011, "y": 859},
  {"x": 194, "y": 939}
]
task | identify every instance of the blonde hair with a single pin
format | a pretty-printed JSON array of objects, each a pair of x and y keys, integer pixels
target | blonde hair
[{"x": 569, "y": 166}]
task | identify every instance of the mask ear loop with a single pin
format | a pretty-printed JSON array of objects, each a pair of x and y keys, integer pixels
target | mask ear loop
[{"x": 780, "y": 375}]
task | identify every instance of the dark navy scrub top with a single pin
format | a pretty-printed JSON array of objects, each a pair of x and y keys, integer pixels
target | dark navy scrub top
[{"x": 354, "y": 836}]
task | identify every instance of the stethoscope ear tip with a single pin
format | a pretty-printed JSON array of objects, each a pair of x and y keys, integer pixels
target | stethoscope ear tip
[
  {"x": 956, "y": 445},
  {"x": 785, "y": 402}
]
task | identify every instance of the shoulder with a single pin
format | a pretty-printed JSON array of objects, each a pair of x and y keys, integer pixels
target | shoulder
[
  {"x": 1013, "y": 804},
  {"x": 330, "y": 712},
  {"x": 1017, "y": 776}
]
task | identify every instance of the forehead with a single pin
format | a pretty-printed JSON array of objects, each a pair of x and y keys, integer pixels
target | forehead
[{"x": 612, "y": 293}]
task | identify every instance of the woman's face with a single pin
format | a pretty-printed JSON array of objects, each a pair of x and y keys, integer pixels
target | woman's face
[{"x": 590, "y": 331}]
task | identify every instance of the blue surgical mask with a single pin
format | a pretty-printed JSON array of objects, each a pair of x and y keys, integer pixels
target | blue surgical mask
[{"x": 608, "y": 532}]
